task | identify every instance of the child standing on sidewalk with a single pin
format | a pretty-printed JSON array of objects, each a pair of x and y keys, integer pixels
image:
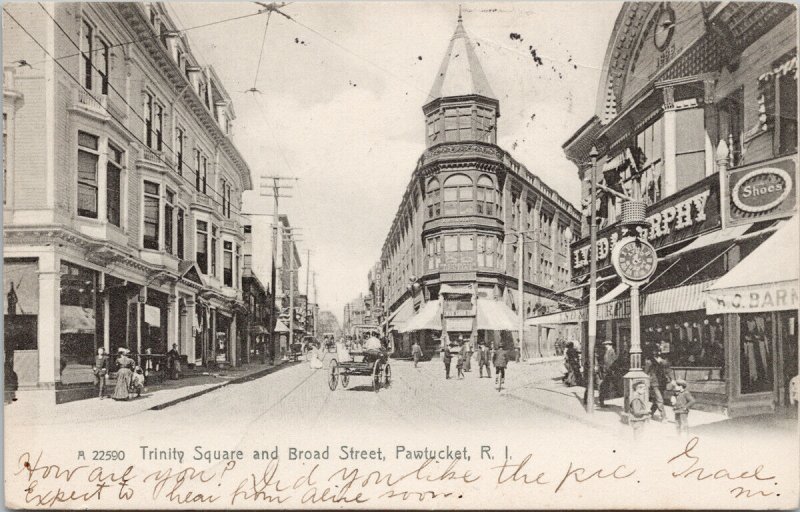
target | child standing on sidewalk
[{"x": 683, "y": 402}]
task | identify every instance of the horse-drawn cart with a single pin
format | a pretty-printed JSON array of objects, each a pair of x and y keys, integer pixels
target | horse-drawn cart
[{"x": 368, "y": 363}]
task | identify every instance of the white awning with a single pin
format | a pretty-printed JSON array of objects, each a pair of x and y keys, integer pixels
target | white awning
[
  {"x": 494, "y": 315},
  {"x": 281, "y": 327},
  {"x": 613, "y": 294},
  {"x": 401, "y": 315},
  {"x": 766, "y": 280},
  {"x": 456, "y": 289},
  {"x": 571, "y": 316},
  {"x": 429, "y": 317}
]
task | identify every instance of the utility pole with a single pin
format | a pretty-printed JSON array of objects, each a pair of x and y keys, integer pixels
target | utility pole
[
  {"x": 521, "y": 284},
  {"x": 274, "y": 190},
  {"x": 592, "y": 285},
  {"x": 316, "y": 306},
  {"x": 308, "y": 295}
]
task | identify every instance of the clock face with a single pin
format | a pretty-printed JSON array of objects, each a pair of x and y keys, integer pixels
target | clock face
[
  {"x": 635, "y": 260},
  {"x": 665, "y": 27}
]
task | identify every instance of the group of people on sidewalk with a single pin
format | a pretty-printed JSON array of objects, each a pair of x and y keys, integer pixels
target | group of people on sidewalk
[
  {"x": 131, "y": 377},
  {"x": 610, "y": 369},
  {"x": 463, "y": 353}
]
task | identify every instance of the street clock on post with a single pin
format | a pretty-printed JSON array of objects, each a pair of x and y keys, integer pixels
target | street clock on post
[{"x": 635, "y": 260}]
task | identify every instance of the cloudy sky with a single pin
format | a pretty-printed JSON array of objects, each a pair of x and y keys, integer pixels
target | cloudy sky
[{"x": 342, "y": 86}]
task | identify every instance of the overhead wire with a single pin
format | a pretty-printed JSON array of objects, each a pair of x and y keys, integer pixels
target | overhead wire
[
  {"x": 149, "y": 38},
  {"x": 135, "y": 137}
]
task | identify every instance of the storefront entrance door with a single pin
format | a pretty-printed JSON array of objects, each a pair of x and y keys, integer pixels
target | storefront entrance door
[{"x": 787, "y": 334}]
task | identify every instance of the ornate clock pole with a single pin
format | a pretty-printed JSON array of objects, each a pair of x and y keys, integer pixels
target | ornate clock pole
[{"x": 635, "y": 261}]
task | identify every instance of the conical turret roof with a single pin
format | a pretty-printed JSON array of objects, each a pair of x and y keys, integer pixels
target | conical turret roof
[{"x": 460, "y": 73}]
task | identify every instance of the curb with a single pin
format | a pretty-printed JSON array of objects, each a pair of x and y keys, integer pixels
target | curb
[{"x": 238, "y": 380}]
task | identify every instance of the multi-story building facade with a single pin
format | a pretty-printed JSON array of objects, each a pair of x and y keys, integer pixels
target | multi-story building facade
[
  {"x": 452, "y": 235},
  {"x": 287, "y": 271},
  {"x": 697, "y": 117},
  {"x": 359, "y": 312},
  {"x": 122, "y": 192},
  {"x": 257, "y": 293}
]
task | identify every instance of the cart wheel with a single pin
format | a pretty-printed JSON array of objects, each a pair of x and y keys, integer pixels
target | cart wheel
[
  {"x": 387, "y": 375},
  {"x": 345, "y": 380},
  {"x": 376, "y": 376},
  {"x": 333, "y": 375}
]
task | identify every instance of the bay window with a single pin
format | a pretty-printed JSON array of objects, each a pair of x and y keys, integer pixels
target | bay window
[
  {"x": 154, "y": 122},
  {"x": 104, "y": 64},
  {"x": 88, "y": 158},
  {"x": 458, "y": 124},
  {"x": 87, "y": 51},
  {"x": 434, "y": 128},
  {"x": 214, "y": 239},
  {"x": 169, "y": 222},
  {"x": 152, "y": 200},
  {"x": 485, "y": 245},
  {"x": 114, "y": 185},
  {"x": 458, "y": 195},
  {"x": 180, "y": 236},
  {"x": 201, "y": 246},
  {"x": 180, "y": 138},
  {"x": 485, "y": 196},
  {"x": 433, "y": 198},
  {"x": 227, "y": 263},
  {"x": 485, "y": 125}
]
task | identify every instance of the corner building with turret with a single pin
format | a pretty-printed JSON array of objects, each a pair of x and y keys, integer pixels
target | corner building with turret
[{"x": 450, "y": 263}]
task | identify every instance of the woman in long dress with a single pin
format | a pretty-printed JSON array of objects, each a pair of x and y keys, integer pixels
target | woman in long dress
[
  {"x": 124, "y": 376},
  {"x": 314, "y": 360}
]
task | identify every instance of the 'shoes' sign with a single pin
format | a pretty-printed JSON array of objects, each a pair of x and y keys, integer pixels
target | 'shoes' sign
[{"x": 762, "y": 192}]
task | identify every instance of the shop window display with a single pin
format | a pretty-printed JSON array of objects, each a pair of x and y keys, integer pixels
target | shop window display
[
  {"x": 691, "y": 341},
  {"x": 78, "y": 323},
  {"x": 755, "y": 353}
]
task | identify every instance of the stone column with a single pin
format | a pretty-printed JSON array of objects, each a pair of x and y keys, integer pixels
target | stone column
[
  {"x": 172, "y": 321},
  {"x": 189, "y": 315},
  {"x": 49, "y": 326}
]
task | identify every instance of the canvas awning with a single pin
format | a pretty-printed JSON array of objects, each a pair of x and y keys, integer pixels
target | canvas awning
[
  {"x": 570, "y": 316},
  {"x": 673, "y": 300},
  {"x": 401, "y": 315},
  {"x": 281, "y": 327},
  {"x": 429, "y": 317},
  {"x": 613, "y": 294},
  {"x": 455, "y": 289},
  {"x": 494, "y": 315},
  {"x": 766, "y": 280}
]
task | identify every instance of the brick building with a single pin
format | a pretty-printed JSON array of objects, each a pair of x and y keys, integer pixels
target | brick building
[{"x": 450, "y": 262}]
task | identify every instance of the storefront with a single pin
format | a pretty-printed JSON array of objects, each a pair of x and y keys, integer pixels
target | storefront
[
  {"x": 20, "y": 334},
  {"x": 760, "y": 299}
]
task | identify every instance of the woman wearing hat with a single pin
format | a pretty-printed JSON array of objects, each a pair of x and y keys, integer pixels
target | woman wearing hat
[{"x": 124, "y": 375}]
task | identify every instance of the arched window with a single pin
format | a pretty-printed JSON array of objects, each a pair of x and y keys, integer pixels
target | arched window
[
  {"x": 433, "y": 198},
  {"x": 458, "y": 195},
  {"x": 485, "y": 196}
]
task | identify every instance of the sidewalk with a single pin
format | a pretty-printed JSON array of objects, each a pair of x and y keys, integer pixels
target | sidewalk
[
  {"x": 548, "y": 392},
  {"x": 39, "y": 406}
]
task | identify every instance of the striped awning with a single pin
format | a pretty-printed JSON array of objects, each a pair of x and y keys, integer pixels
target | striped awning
[{"x": 689, "y": 297}]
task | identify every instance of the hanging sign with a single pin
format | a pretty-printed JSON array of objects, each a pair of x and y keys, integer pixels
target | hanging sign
[{"x": 762, "y": 191}]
